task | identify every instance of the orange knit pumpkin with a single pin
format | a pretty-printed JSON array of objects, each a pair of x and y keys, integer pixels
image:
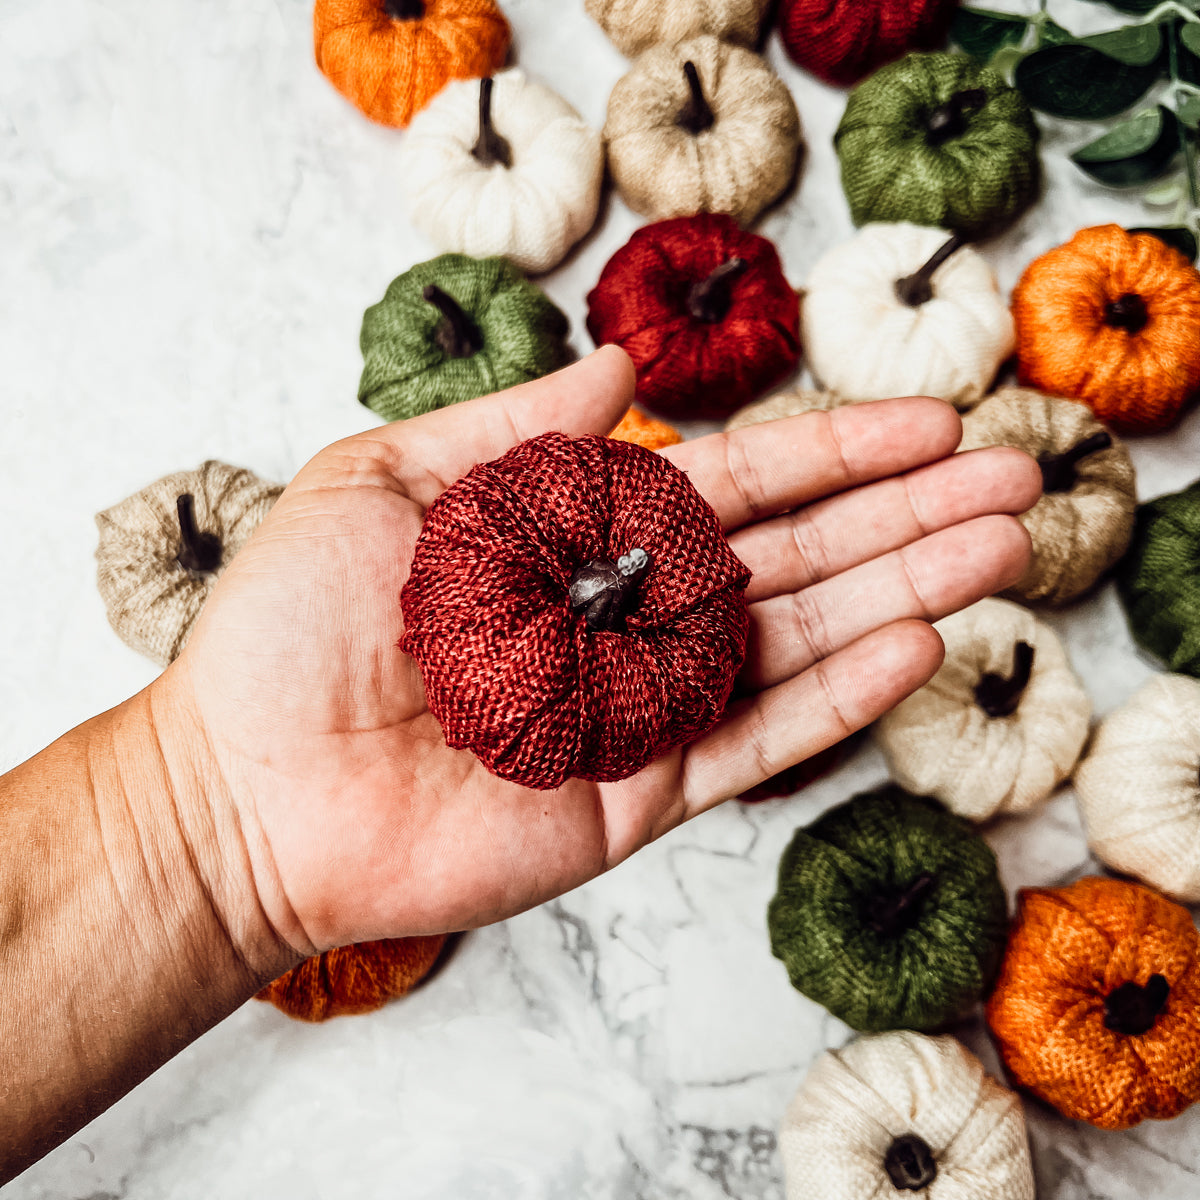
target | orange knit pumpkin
[
  {"x": 1113, "y": 319},
  {"x": 391, "y": 57},
  {"x": 1097, "y": 1008},
  {"x": 646, "y": 431},
  {"x": 353, "y": 979}
]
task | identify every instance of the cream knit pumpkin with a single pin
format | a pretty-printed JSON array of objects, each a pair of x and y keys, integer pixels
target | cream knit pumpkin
[
  {"x": 1139, "y": 787},
  {"x": 737, "y": 164},
  {"x": 865, "y": 343},
  {"x": 531, "y": 211},
  {"x": 898, "y": 1114},
  {"x": 952, "y": 738},
  {"x": 636, "y": 25},
  {"x": 789, "y": 403}
]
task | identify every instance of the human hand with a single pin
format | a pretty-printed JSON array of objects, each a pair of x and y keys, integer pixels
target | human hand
[{"x": 311, "y": 728}]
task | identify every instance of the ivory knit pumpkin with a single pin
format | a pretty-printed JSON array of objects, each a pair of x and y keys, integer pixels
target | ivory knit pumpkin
[
  {"x": 391, "y": 57},
  {"x": 1082, "y": 524},
  {"x": 938, "y": 139},
  {"x": 788, "y": 403},
  {"x": 645, "y": 431},
  {"x": 163, "y": 549},
  {"x": 1097, "y": 1007},
  {"x": 901, "y": 311},
  {"x": 636, "y": 25},
  {"x": 1113, "y": 319},
  {"x": 502, "y": 167},
  {"x": 901, "y": 1112},
  {"x": 455, "y": 328},
  {"x": 889, "y": 912},
  {"x": 1139, "y": 787},
  {"x": 575, "y": 611},
  {"x": 701, "y": 127},
  {"x": 1000, "y": 725}
]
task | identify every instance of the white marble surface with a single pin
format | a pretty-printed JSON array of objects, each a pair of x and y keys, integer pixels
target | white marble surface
[{"x": 191, "y": 223}]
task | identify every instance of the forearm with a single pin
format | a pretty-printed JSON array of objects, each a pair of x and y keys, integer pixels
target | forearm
[{"x": 127, "y": 922}]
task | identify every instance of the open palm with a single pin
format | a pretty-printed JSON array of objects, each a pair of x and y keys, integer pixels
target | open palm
[{"x": 359, "y": 822}]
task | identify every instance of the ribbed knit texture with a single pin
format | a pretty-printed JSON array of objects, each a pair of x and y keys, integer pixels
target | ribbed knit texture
[
  {"x": 406, "y": 372},
  {"x": 1136, "y": 371},
  {"x": 636, "y": 25},
  {"x": 935, "y": 966},
  {"x": 789, "y": 403},
  {"x": 512, "y": 672},
  {"x": 689, "y": 367},
  {"x": 1070, "y": 950},
  {"x": 645, "y": 431},
  {"x": 975, "y": 182}
]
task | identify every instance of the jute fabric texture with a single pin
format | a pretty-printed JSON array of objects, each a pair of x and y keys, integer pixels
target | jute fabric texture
[
  {"x": 636, "y": 25},
  {"x": 789, "y": 403}
]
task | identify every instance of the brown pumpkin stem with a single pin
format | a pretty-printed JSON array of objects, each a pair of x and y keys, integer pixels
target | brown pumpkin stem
[
  {"x": 1058, "y": 470},
  {"x": 695, "y": 116},
  {"x": 1000, "y": 697},
  {"x": 491, "y": 148},
  {"x": 1133, "y": 1007},
  {"x": 910, "y": 1164},
  {"x": 404, "y": 10},
  {"x": 198, "y": 551},
  {"x": 1128, "y": 313},
  {"x": 710, "y": 299},
  {"x": 950, "y": 120},
  {"x": 603, "y": 589},
  {"x": 892, "y": 910},
  {"x": 456, "y": 334},
  {"x": 917, "y": 289}
]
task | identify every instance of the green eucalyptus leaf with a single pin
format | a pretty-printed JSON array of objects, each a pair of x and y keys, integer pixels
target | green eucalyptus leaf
[
  {"x": 1131, "y": 6},
  {"x": 1189, "y": 35},
  {"x": 1052, "y": 33},
  {"x": 1132, "y": 152},
  {"x": 1189, "y": 110},
  {"x": 1179, "y": 237},
  {"x": 1167, "y": 193},
  {"x": 1080, "y": 83},
  {"x": 980, "y": 33},
  {"x": 1135, "y": 45}
]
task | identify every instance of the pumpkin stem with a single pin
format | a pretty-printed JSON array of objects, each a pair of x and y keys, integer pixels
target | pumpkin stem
[
  {"x": 910, "y": 1164},
  {"x": 491, "y": 148},
  {"x": 1000, "y": 697},
  {"x": 456, "y": 334},
  {"x": 949, "y": 120},
  {"x": 603, "y": 589},
  {"x": 404, "y": 10},
  {"x": 1058, "y": 470},
  {"x": 1133, "y": 1007},
  {"x": 710, "y": 299},
  {"x": 198, "y": 551},
  {"x": 917, "y": 289},
  {"x": 892, "y": 910},
  {"x": 1128, "y": 313},
  {"x": 695, "y": 116}
]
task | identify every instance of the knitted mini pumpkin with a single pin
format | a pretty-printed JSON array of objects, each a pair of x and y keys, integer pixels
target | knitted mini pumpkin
[
  {"x": 1000, "y": 725},
  {"x": 842, "y": 40},
  {"x": 701, "y": 127},
  {"x": 1083, "y": 522},
  {"x": 636, "y": 25},
  {"x": 900, "y": 1112},
  {"x": 575, "y": 611},
  {"x": 162, "y": 550},
  {"x": 352, "y": 980},
  {"x": 1139, "y": 787},
  {"x": 889, "y": 912},
  {"x": 788, "y": 403},
  {"x": 455, "y": 328},
  {"x": 1158, "y": 580},
  {"x": 391, "y": 57},
  {"x": 938, "y": 139},
  {"x": 900, "y": 311},
  {"x": 1097, "y": 1007},
  {"x": 645, "y": 431},
  {"x": 502, "y": 167},
  {"x": 704, "y": 311},
  {"x": 1113, "y": 319}
]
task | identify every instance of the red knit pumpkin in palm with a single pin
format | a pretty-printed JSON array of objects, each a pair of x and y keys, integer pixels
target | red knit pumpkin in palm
[
  {"x": 704, "y": 311},
  {"x": 841, "y": 41},
  {"x": 575, "y": 611}
]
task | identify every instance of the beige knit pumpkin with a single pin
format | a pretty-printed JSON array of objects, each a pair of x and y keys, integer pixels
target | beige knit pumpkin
[
  {"x": 636, "y": 25},
  {"x": 973, "y": 736},
  {"x": 667, "y": 160},
  {"x": 152, "y": 598},
  {"x": 790, "y": 403},
  {"x": 1139, "y": 787},
  {"x": 1084, "y": 520}
]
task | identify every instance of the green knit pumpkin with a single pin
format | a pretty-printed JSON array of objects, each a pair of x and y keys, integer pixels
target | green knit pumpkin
[
  {"x": 1158, "y": 580},
  {"x": 889, "y": 912},
  {"x": 455, "y": 328},
  {"x": 937, "y": 139}
]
